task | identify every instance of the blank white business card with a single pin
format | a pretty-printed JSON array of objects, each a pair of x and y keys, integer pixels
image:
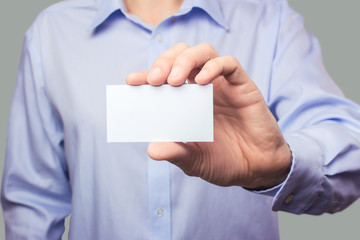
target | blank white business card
[{"x": 160, "y": 113}]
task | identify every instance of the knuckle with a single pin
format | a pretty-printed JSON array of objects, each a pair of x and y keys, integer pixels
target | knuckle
[
  {"x": 162, "y": 62},
  {"x": 185, "y": 60},
  {"x": 214, "y": 64},
  {"x": 207, "y": 46},
  {"x": 231, "y": 59},
  {"x": 181, "y": 45}
]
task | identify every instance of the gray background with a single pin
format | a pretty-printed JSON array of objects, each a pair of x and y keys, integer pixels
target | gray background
[{"x": 334, "y": 22}]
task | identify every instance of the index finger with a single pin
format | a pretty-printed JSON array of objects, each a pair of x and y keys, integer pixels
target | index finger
[
  {"x": 189, "y": 60},
  {"x": 160, "y": 68}
]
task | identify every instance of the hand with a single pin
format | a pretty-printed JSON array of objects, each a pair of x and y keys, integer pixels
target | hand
[{"x": 248, "y": 149}]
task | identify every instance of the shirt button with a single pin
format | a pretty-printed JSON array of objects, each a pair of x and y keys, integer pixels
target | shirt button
[
  {"x": 160, "y": 212},
  {"x": 159, "y": 38},
  {"x": 289, "y": 199}
]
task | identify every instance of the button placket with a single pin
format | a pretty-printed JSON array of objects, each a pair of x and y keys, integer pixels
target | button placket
[
  {"x": 159, "y": 38},
  {"x": 160, "y": 212},
  {"x": 159, "y": 172}
]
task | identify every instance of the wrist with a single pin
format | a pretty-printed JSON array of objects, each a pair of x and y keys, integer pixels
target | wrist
[{"x": 277, "y": 172}]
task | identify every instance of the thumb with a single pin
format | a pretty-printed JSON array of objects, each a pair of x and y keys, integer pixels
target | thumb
[
  {"x": 167, "y": 150},
  {"x": 177, "y": 153}
]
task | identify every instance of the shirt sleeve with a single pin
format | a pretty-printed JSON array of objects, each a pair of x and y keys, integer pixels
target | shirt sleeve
[
  {"x": 319, "y": 124},
  {"x": 36, "y": 193}
]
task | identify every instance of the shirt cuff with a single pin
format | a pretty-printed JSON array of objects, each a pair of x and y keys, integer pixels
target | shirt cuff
[
  {"x": 299, "y": 190},
  {"x": 268, "y": 192}
]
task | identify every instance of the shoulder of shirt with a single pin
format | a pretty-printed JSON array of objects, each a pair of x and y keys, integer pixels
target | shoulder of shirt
[
  {"x": 68, "y": 5},
  {"x": 247, "y": 7},
  {"x": 61, "y": 10}
]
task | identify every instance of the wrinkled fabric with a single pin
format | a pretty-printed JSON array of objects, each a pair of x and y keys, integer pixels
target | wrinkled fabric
[{"x": 58, "y": 161}]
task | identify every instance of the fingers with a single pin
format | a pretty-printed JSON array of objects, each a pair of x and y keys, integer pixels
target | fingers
[
  {"x": 167, "y": 150},
  {"x": 138, "y": 78},
  {"x": 160, "y": 68},
  {"x": 199, "y": 64},
  {"x": 175, "y": 65},
  {"x": 189, "y": 61},
  {"x": 177, "y": 153},
  {"x": 227, "y": 66},
  {"x": 163, "y": 65}
]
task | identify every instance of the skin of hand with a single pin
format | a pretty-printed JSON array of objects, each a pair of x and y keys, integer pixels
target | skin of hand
[{"x": 249, "y": 149}]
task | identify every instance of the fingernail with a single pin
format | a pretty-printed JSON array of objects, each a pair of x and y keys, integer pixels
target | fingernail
[
  {"x": 202, "y": 74},
  {"x": 154, "y": 74},
  {"x": 132, "y": 75},
  {"x": 130, "y": 78},
  {"x": 175, "y": 73}
]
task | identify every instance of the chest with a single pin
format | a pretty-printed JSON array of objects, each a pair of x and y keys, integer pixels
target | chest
[{"x": 81, "y": 66}]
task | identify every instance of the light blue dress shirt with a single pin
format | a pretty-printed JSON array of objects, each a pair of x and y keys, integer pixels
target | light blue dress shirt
[{"x": 58, "y": 160}]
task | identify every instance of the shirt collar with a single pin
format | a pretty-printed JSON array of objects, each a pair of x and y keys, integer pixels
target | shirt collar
[
  {"x": 106, "y": 7},
  {"x": 213, "y": 8}
]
